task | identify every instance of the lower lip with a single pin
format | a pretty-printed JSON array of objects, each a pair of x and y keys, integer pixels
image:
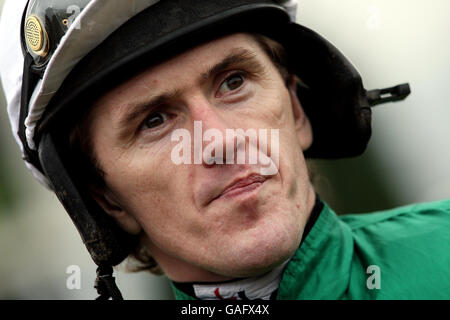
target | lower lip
[{"x": 242, "y": 191}]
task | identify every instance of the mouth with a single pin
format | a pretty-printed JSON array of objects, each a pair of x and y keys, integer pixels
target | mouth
[{"x": 241, "y": 187}]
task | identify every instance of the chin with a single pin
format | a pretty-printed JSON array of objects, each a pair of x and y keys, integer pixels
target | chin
[{"x": 260, "y": 235}]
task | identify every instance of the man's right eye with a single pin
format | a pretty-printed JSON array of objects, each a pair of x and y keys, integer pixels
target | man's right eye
[{"x": 155, "y": 120}]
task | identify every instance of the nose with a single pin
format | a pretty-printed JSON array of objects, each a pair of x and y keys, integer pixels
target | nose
[
  {"x": 218, "y": 140},
  {"x": 210, "y": 132}
]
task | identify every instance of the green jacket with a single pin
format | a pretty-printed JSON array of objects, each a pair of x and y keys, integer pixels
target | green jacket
[{"x": 402, "y": 253}]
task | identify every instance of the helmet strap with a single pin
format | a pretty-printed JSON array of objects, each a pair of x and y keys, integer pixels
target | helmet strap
[{"x": 106, "y": 285}]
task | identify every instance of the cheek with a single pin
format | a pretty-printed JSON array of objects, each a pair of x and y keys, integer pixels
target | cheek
[
  {"x": 278, "y": 114},
  {"x": 272, "y": 106},
  {"x": 274, "y": 110},
  {"x": 154, "y": 191},
  {"x": 138, "y": 176}
]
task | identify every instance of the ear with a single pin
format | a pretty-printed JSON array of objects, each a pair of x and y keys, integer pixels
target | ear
[
  {"x": 302, "y": 124},
  {"x": 111, "y": 206}
]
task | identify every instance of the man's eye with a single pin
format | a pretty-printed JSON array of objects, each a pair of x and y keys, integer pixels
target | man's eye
[
  {"x": 233, "y": 82},
  {"x": 155, "y": 120}
]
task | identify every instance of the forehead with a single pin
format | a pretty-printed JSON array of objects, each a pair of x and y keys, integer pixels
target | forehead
[
  {"x": 208, "y": 52},
  {"x": 197, "y": 59}
]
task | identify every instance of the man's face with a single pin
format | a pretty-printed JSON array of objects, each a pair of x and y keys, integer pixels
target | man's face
[{"x": 194, "y": 224}]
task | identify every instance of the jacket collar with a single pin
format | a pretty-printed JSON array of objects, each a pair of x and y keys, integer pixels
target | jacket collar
[{"x": 321, "y": 267}]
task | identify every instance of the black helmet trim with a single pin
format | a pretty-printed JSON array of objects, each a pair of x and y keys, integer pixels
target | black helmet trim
[{"x": 106, "y": 242}]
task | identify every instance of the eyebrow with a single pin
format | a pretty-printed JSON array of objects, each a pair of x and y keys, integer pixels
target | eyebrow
[
  {"x": 238, "y": 57},
  {"x": 137, "y": 108}
]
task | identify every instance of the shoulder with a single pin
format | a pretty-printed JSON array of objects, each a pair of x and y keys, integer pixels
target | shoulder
[
  {"x": 431, "y": 213},
  {"x": 424, "y": 227},
  {"x": 409, "y": 244}
]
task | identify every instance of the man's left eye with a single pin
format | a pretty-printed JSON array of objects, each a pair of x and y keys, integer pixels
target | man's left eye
[{"x": 232, "y": 83}]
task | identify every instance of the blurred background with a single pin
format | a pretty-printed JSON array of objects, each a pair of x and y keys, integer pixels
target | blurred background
[{"x": 408, "y": 159}]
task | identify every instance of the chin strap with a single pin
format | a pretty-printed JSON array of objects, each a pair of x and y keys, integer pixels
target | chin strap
[{"x": 105, "y": 284}]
